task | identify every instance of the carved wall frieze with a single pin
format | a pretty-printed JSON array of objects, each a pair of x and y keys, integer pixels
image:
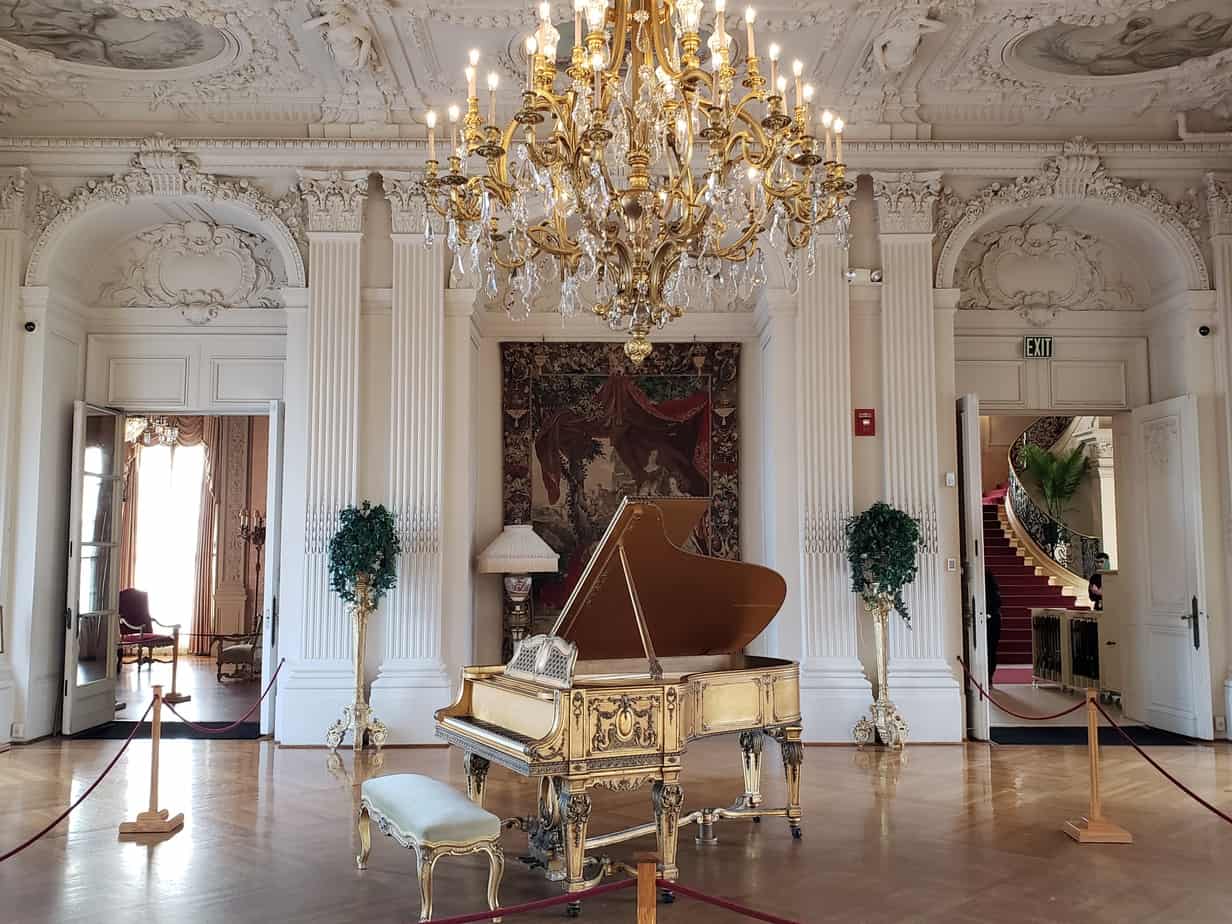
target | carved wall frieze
[
  {"x": 153, "y": 268},
  {"x": 1037, "y": 270},
  {"x": 1219, "y": 202},
  {"x": 160, "y": 169},
  {"x": 1076, "y": 173},
  {"x": 906, "y": 200},
  {"x": 14, "y": 185},
  {"x": 334, "y": 199}
]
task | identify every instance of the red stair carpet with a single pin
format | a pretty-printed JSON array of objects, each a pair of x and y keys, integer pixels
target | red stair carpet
[{"x": 1021, "y": 590}]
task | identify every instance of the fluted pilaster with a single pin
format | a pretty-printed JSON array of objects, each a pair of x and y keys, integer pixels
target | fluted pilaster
[
  {"x": 835, "y": 690},
  {"x": 926, "y": 692},
  {"x": 412, "y": 681},
  {"x": 334, "y": 202}
]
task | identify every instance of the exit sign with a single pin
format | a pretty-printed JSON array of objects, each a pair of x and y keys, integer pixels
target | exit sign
[{"x": 1037, "y": 347}]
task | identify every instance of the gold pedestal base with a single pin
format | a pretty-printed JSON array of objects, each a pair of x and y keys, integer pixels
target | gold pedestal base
[
  {"x": 1096, "y": 831},
  {"x": 886, "y": 726},
  {"x": 160, "y": 822},
  {"x": 357, "y": 717}
]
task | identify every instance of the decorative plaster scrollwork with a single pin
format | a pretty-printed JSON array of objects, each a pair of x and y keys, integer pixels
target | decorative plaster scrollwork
[
  {"x": 334, "y": 198},
  {"x": 147, "y": 278},
  {"x": 905, "y": 200},
  {"x": 13, "y": 199},
  {"x": 28, "y": 78},
  {"x": 160, "y": 169},
  {"x": 1076, "y": 173},
  {"x": 1038, "y": 270},
  {"x": 403, "y": 189},
  {"x": 1219, "y": 202}
]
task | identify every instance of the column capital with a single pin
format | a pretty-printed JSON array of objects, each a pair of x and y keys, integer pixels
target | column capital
[
  {"x": 906, "y": 200},
  {"x": 334, "y": 198},
  {"x": 404, "y": 190},
  {"x": 14, "y": 184},
  {"x": 1219, "y": 202}
]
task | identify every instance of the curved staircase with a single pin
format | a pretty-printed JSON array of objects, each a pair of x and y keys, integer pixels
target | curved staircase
[{"x": 1023, "y": 582}]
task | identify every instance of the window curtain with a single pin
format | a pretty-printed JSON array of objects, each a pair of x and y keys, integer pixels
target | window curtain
[
  {"x": 128, "y": 518},
  {"x": 207, "y": 430}
]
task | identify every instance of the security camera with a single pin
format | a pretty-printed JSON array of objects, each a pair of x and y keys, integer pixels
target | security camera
[
  {"x": 1204, "y": 330},
  {"x": 31, "y": 327}
]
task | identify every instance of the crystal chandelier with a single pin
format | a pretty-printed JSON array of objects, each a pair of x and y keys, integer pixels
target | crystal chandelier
[
  {"x": 152, "y": 431},
  {"x": 639, "y": 174}
]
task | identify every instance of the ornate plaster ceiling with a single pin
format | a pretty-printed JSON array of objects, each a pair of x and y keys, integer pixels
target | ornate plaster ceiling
[{"x": 364, "y": 68}]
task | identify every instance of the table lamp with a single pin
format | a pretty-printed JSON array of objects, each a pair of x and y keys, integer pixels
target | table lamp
[{"x": 516, "y": 553}]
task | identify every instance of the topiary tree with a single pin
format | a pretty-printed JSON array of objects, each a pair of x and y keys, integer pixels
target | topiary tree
[
  {"x": 883, "y": 546},
  {"x": 365, "y": 547}
]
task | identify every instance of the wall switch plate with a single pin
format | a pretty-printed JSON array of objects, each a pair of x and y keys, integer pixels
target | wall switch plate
[
  {"x": 1221, "y": 724},
  {"x": 17, "y": 730},
  {"x": 951, "y": 480},
  {"x": 951, "y": 564}
]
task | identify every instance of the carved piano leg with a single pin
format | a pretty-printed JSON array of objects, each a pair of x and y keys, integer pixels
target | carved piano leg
[
  {"x": 750, "y": 750},
  {"x": 668, "y": 796},
  {"x": 793, "y": 757},
  {"x": 575, "y": 804},
  {"x": 476, "y": 776}
]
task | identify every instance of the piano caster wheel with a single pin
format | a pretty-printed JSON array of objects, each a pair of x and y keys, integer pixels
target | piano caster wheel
[
  {"x": 796, "y": 832},
  {"x": 573, "y": 910},
  {"x": 667, "y": 896}
]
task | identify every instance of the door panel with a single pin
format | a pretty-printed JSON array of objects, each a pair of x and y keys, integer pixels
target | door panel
[
  {"x": 273, "y": 559},
  {"x": 1169, "y": 682},
  {"x": 971, "y": 513},
  {"x": 92, "y": 605}
]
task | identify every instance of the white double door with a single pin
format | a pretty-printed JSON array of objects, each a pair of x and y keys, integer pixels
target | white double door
[{"x": 1166, "y": 514}]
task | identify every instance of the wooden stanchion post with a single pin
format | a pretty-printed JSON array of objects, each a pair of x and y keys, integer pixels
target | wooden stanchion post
[
  {"x": 1095, "y": 828},
  {"x": 155, "y": 820},
  {"x": 174, "y": 697},
  {"x": 647, "y": 891}
]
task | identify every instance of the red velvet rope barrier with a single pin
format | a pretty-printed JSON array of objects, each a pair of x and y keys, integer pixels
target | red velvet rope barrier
[
  {"x": 1150, "y": 760},
  {"x": 205, "y": 730},
  {"x": 127, "y": 741},
  {"x": 1006, "y": 709},
  {"x": 724, "y": 903},
  {"x": 538, "y": 905}
]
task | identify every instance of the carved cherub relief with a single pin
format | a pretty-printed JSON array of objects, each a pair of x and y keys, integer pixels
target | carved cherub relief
[
  {"x": 348, "y": 40},
  {"x": 895, "y": 46}
]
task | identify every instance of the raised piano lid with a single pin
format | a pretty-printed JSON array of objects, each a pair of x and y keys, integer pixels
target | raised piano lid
[{"x": 692, "y": 604}]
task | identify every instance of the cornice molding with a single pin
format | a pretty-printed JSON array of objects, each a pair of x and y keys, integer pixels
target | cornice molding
[
  {"x": 335, "y": 199},
  {"x": 160, "y": 169},
  {"x": 1077, "y": 173},
  {"x": 906, "y": 200}
]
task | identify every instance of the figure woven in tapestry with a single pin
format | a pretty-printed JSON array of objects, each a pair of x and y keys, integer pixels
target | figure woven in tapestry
[{"x": 583, "y": 429}]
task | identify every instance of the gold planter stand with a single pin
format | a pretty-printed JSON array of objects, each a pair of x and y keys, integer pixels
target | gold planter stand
[
  {"x": 358, "y": 716},
  {"x": 886, "y": 725}
]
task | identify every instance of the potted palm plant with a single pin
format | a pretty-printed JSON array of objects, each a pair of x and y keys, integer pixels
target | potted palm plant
[
  {"x": 883, "y": 546},
  {"x": 1059, "y": 476},
  {"x": 362, "y": 556}
]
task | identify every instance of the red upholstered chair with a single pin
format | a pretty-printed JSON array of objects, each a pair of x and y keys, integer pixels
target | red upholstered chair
[{"x": 137, "y": 630}]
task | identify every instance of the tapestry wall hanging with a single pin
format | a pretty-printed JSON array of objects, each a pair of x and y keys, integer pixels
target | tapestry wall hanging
[{"x": 583, "y": 429}]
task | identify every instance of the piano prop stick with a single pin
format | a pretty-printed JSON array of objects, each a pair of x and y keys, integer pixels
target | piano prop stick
[{"x": 646, "y": 656}]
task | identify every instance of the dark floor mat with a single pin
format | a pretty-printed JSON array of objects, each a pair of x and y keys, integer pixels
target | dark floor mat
[
  {"x": 110, "y": 731},
  {"x": 1077, "y": 734}
]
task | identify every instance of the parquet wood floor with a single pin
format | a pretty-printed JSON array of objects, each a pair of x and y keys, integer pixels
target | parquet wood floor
[
  {"x": 211, "y": 701},
  {"x": 965, "y": 835}
]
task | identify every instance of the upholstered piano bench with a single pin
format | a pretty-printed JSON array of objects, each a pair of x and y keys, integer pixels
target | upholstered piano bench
[{"x": 434, "y": 820}]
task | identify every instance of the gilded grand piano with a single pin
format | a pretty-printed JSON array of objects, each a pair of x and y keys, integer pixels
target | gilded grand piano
[{"x": 647, "y": 655}]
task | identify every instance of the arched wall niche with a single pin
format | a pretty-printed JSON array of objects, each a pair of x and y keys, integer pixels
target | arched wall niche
[
  {"x": 1075, "y": 177},
  {"x": 161, "y": 173}
]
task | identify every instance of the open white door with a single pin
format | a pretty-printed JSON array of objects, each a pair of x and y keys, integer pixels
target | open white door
[
  {"x": 92, "y": 611},
  {"x": 273, "y": 562},
  {"x": 971, "y": 512},
  {"x": 1168, "y": 664}
]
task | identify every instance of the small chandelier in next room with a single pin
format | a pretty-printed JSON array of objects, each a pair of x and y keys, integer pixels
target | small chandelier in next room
[{"x": 640, "y": 173}]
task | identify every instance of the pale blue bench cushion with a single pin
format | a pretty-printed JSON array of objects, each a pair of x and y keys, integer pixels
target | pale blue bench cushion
[{"x": 429, "y": 811}]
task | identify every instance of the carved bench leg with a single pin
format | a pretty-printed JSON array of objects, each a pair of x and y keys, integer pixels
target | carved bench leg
[
  {"x": 425, "y": 859},
  {"x": 364, "y": 823},
  {"x": 496, "y": 869}
]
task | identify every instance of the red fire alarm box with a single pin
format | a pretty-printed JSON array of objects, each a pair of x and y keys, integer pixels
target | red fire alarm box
[{"x": 866, "y": 421}]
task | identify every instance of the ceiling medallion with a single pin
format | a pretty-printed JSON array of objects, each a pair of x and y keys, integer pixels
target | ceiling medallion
[{"x": 641, "y": 174}]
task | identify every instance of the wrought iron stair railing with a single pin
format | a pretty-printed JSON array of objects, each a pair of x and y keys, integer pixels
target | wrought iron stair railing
[{"x": 1074, "y": 551}]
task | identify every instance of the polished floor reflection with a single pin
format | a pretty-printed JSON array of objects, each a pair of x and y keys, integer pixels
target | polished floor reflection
[
  {"x": 953, "y": 834},
  {"x": 212, "y": 700}
]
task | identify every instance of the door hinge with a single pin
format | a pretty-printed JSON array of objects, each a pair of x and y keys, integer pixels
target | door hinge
[
  {"x": 66, "y": 686},
  {"x": 68, "y": 619}
]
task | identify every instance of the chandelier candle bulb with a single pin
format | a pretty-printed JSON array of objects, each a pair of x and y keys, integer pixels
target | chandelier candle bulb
[
  {"x": 827, "y": 119},
  {"x": 470, "y": 82},
  {"x": 838, "y": 140},
  {"x": 749, "y": 15},
  {"x": 430, "y": 118},
  {"x": 578, "y": 7},
  {"x": 596, "y": 65},
  {"x": 797, "y": 69},
  {"x": 531, "y": 46},
  {"x": 774, "y": 66},
  {"x": 454, "y": 113},
  {"x": 720, "y": 9},
  {"x": 493, "y": 83}
]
